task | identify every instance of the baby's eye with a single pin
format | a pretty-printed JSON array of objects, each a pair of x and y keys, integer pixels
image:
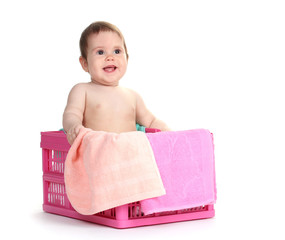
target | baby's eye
[
  {"x": 117, "y": 51},
  {"x": 100, "y": 52}
]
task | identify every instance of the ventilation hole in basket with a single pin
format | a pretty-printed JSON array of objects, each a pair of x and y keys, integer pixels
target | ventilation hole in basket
[
  {"x": 134, "y": 210},
  {"x": 56, "y": 161},
  {"x": 113, "y": 213}
]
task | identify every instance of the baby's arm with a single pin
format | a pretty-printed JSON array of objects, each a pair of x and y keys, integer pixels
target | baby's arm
[
  {"x": 73, "y": 113},
  {"x": 145, "y": 118}
]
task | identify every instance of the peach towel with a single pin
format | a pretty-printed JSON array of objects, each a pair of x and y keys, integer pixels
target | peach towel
[{"x": 105, "y": 170}]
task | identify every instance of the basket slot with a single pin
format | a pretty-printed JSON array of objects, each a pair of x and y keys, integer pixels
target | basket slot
[
  {"x": 56, "y": 195},
  {"x": 55, "y": 161},
  {"x": 111, "y": 213},
  {"x": 135, "y": 210}
]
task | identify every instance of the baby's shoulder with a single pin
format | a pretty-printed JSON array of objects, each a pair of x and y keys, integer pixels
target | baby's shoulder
[
  {"x": 80, "y": 87},
  {"x": 78, "y": 90}
]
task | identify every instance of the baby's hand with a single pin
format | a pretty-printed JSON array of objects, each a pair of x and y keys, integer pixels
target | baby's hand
[{"x": 72, "y": 133}]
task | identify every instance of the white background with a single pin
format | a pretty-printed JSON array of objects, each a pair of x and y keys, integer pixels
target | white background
[{"x": 198, "y": 64}]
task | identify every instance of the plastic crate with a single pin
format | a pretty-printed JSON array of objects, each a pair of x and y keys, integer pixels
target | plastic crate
[{"x": 54, "y": 150}]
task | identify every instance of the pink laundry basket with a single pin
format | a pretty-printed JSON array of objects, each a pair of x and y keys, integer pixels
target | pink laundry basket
[{"x": 54, "y": 150}]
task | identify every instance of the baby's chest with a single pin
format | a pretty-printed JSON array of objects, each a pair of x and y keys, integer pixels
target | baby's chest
[{"x": 118, "y": 104}]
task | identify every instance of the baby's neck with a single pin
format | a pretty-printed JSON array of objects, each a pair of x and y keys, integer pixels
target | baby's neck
[{"x": 104, "y": 85}]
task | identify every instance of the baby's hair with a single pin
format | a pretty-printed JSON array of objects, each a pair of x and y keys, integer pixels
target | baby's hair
[{"x": 95, "y": 28}]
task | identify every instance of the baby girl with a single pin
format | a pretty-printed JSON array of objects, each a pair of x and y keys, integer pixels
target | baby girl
[{"x": 102, "y": 105}]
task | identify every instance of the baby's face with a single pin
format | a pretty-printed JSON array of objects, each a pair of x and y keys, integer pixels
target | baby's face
[{"x": 106, "y": 58}]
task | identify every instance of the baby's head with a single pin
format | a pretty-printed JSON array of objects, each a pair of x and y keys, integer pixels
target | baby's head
[
  {"x": 95, "y": 28},
  {"x": 103, "y": 53}
]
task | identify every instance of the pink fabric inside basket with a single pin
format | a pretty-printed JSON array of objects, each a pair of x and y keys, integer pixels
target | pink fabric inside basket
[{"x": 185, "y": 160}]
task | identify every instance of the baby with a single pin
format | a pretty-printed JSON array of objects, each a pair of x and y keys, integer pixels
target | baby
[{"x": 102, "y": 105}]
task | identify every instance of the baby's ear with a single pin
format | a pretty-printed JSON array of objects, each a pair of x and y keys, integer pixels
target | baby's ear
[{"x": 83, "y": 63}]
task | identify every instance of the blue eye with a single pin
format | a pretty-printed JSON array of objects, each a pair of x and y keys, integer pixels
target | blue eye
[
  {"x": 100, "y": 52},
  {"x": 117, "y": 51}
]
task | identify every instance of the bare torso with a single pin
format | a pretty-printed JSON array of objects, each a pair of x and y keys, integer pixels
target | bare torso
[{"x": 110, "y": 109}]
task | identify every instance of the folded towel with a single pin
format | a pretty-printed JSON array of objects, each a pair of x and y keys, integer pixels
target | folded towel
[
  {"x": 185, "y": 160},
  {"x": 104, "y": 170}
]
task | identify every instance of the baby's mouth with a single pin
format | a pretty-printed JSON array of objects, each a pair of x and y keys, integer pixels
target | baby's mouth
[{"x": 110, "y": 68}]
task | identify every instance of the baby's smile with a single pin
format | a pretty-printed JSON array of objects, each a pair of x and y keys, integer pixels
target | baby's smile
[{"x": 110, "y": 68}]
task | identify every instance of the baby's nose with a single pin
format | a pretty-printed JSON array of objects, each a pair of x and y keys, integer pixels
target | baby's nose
[{"x": 109, "y": 58}]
